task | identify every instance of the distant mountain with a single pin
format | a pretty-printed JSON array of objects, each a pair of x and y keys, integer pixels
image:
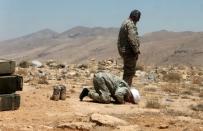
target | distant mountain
[
  {"x": 164, "y": 47},
  {"x": 82, "y": 43},
  {"x": 23, "y": 46},
  {"x": 42, "y": 34},
  {"x": 81, "y": 31},
  {"x": 165, "y": 35},
  {"x": 75, "y": 45}
]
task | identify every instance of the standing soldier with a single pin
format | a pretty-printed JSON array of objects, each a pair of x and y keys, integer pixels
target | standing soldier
[{"x": 128, "y": 45}]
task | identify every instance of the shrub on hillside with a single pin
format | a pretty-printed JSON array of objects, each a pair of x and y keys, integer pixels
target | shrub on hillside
[
  {"x": 197, "y": 80},
  {"x": 198, "y": 107},
  {"x": 153, "y": 103},
  {"x": 140, "y": 67},
  {"x": 24, "y": 64},
  {"x": 171, "y": 88},
  {"x": 172, "y": 77}
]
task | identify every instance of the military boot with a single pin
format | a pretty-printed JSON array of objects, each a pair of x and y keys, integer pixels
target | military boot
[
  {"x": 62, "y": 92},
  {"x": 84, "y": 93},
  {"x": 56, "y": 93}
]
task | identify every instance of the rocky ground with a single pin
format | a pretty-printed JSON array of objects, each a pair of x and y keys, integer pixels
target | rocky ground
[{"x": 171, "y": 99}]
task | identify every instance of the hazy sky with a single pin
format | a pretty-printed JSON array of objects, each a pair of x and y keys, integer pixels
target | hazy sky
[{"x": 20, "y": 17}]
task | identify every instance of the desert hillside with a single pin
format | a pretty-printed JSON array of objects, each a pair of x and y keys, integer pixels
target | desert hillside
[
  {"x": 166, "y": 47},
  {"x": 80, "y": 44}
]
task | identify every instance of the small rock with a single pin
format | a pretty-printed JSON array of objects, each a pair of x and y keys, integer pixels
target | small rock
[
  {"x": 64, "y": 71},
  {"x": 152, "y": 76},
  {"x": 110, "y": 61},
  {"x": 184, "y": 76},
  {"x": 27, "y": 79},
  {"x": 46, "y": 128},
  {"x": 163, "y": 126},
  {"x": 60, "y": 66},
  {"x": 53, "y": 65},
  {"x": 77, "y": 126},
  {"x": 83, "y": 66},
  {"x": 169, "y": 100},
  {"x": 107, "y": 120},
  {"x": 92, "y": 59},
  {"x": 140, "y": 73},
  {"x": 36, "y": 63},
  {"x": 72, "y": 74},
  {"x": 147, "y": 125},
  {"x": 197, "y": 107},
  {"x": 50, "y": 62},
  {"x": 188, "y": 119},
  {"x": 91, "y": 76},
  {"x": 27, "y": 128},
  {"x": 128, "y": 128},
  {"x": 43, "y": 80}
]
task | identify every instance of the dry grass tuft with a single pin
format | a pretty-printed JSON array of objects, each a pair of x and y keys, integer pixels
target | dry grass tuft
[
  {"x": 198, "y": 107},
  {"x": 72, "y": 91},
  {"x": 24, "y": 64},
  {"x": 200, "y": 73},
  {"x": 43, "y": 80},
  {"x": 187, "y": 92},
  {"x": 201, "y": 94},
  {"x": 22, "y": 72},
  {"x": 173, "y": 112},
  {"x": 172, "y": 77},
  {"x": 150, "y": 89},
  {"x": 195, "y": 88},
  {"x": 153, "y": 103},
  {"x": 140, "y": 67},
  {"x": 197, "y": 80},
  {"x": 171, "y": 88}
]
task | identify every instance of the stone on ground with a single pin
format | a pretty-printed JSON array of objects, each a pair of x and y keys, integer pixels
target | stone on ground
[{"x": 107, "y": 120}]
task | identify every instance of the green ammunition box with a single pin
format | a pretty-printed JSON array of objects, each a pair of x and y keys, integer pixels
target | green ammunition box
[
  {"x": 10, "y": 84},
  {"x": 9, "y": 102},
  {"x": 7, "y": 67}
]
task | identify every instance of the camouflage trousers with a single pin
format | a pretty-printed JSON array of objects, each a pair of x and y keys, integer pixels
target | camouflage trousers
[
  {"x": 129, "y": 68},
  {"x": 101, "y": 93}
]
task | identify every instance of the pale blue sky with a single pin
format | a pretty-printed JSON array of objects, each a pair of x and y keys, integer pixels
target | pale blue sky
[{"x": 20, "y": 17}]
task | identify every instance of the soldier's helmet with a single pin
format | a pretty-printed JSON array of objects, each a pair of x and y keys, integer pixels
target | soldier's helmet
[
  {"x": 136, "y": 95},
  {"x": 135, "y": 14}
]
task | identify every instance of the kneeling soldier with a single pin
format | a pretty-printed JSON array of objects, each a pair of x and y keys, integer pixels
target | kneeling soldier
[{"x": 109, "y": 86}]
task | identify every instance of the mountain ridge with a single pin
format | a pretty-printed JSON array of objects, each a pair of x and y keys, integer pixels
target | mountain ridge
[{"x": 79, "y": 44}]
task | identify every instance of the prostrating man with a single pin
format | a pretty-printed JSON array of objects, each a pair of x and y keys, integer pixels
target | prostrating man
[{"x": 108, "y": 86}]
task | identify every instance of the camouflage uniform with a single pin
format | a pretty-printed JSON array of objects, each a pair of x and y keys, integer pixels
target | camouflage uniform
[
  {"x": 109, "y": 86},
  {"x": 128, "y": 47}
]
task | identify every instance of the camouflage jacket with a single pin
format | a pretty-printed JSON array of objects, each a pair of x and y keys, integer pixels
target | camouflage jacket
[
  {"x": 128, "y": 40},
  {"x": 114, "y": 87}
]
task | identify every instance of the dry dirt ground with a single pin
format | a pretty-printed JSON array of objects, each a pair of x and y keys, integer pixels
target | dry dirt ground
[{"x": 167, "y": 103}]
